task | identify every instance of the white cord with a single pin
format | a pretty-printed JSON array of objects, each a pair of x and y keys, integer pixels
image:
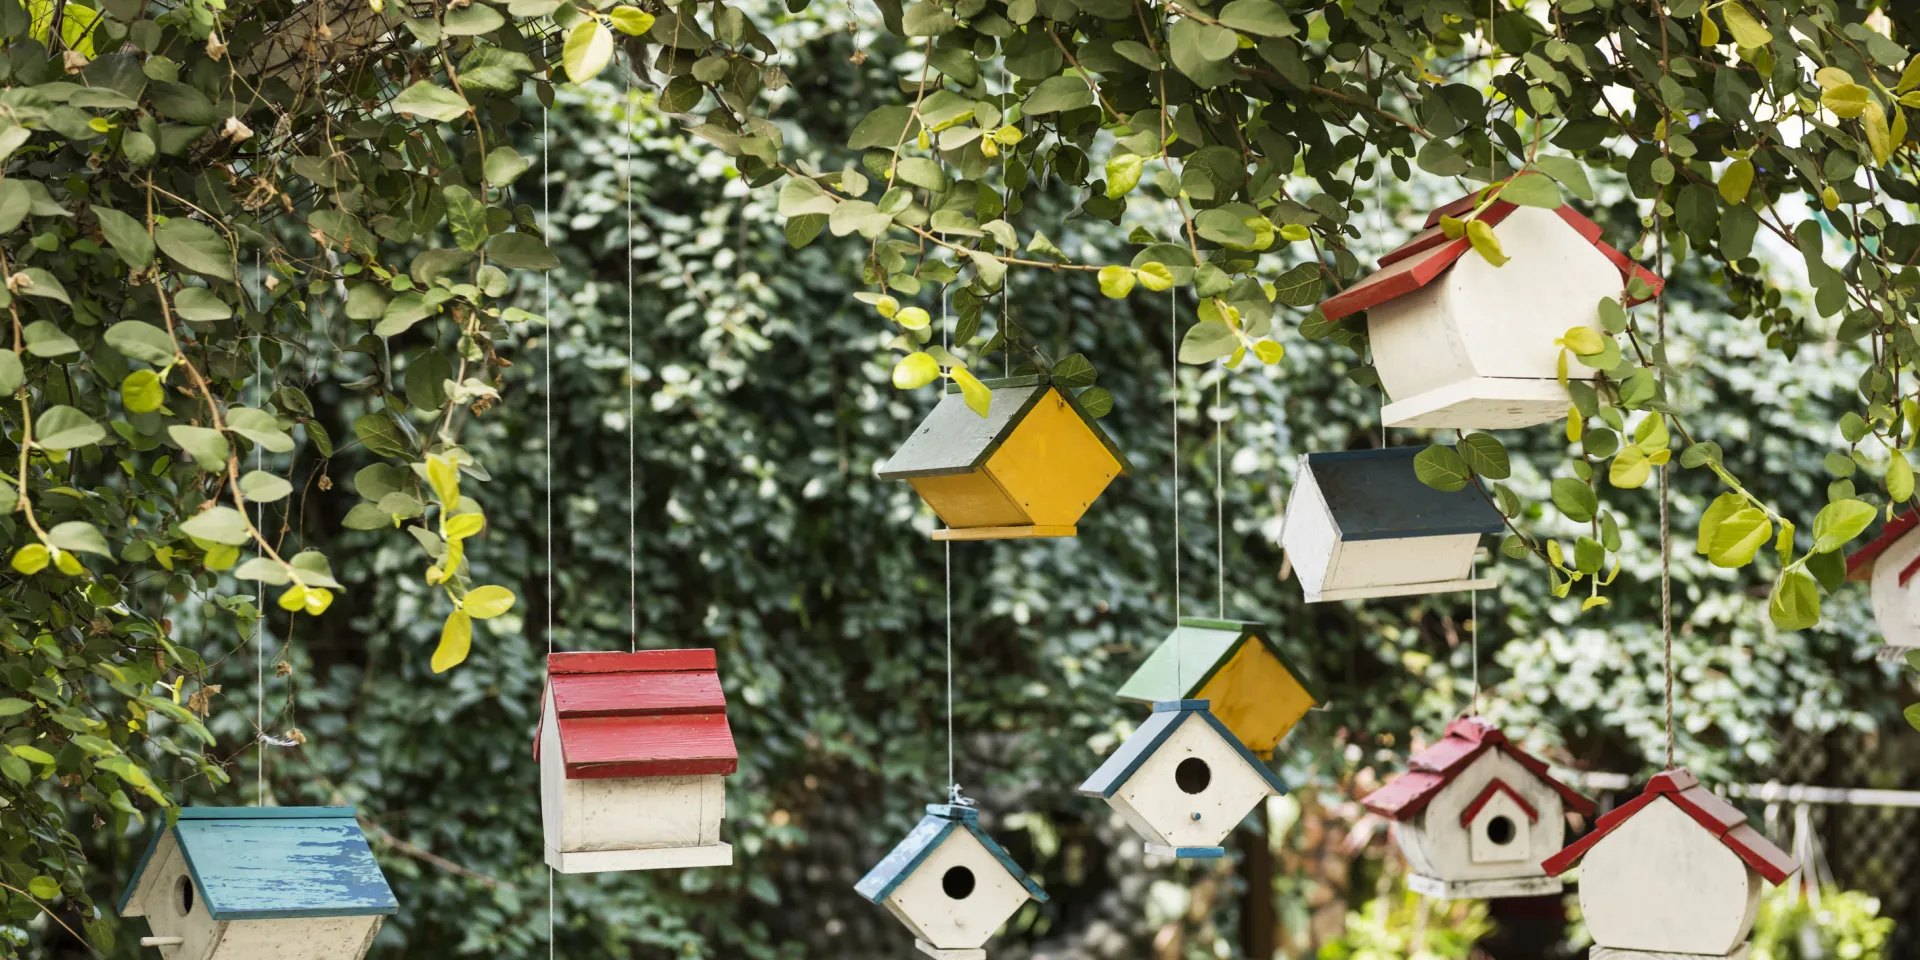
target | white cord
[
  {"x": 1220, "y": 485},
  {"x": 953, "y": 780},
  {"x": 259, "y": 586},
  {"x": 1173, "y": 356},
  {"x": 633, "y": 476},
  {"x": 1473, "y": 572},
  {"x": 546, "y": 296}
]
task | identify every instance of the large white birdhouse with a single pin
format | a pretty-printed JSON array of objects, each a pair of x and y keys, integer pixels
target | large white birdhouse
[
  {"x": 1676, "y": 874},
  {"x": 950, "y": 883},
  {"x": 1474, "y": 816},
  {"x": 1889, "y": 564},
  {"x": 1461, "y": 343},
  {"x": 248, "y": 883},
  {"x": 1360, "y": 524},
  {"x": 1183, "y": 781},
  {"x": 634, "y": 749}
]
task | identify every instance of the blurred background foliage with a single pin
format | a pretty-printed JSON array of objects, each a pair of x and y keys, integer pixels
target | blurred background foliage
[{"x": 761, "y": 531}]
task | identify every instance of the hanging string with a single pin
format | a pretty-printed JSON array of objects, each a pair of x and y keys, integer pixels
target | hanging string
[
  {"x": 1220, "y": 485},
  {"x": 633, "y": 476},
  {"x": 546, "y": 300},
  {"x": 1473, "y": 573},
  {"x": 1173, "y": 359},
  {"x": 953, "y": 781},
  {"x": 259, "y": 586},
  {"x": 1666, "y": 528}
]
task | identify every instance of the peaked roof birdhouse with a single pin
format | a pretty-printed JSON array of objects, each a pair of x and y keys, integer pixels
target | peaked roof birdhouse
[
  {"x": 634, "y": 749},
  {"x": 950, "y": 883},
  {"x": 1462, "y": 344},
  {"x": 241, "y": 883},
  {"x": 1888, "y": 564},
  {"x": 1360, "y": 524},
  {"x": 1233, "y": 665},
  {"x": 1029, "y": 468},
  {"x": 1183, "y": 781},
  {"x": 1676, "y": 872},
  {"x": 1475, "y": 814}
]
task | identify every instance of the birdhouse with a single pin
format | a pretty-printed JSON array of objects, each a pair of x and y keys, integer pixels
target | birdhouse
[
  {"x": 1461, "y": 343},
  {"x": 633, "y": 751},
  {"x": 1889, "y": 564},
  {"x": 1360, "y": 524},
  {"x": 1675, "y": 873},
  {"x": 242, "y": 883},
  {"x": 1234, "y": 666},
  {"x": 1475, "y": 815},
  {"x": 1029, "y": 468},
  {"x": 950, "y": 884},
  {"x": 1183, "y": 781}
]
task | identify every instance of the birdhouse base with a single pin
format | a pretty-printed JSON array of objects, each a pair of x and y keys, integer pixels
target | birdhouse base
[
  {"x": 1185, "y": 853},
  {"x": 1890, "y": 653},
  {"x": 1614, "y": 953},
  {"x": 1003, "y": 533},
  {"x": 1399, "y": 590},
  {"x": 944, "y": 953},
  {"x": 1483, "y": 889},
  {"x": 645, "y": 858},
  {"x": 1481, "y": 403}
]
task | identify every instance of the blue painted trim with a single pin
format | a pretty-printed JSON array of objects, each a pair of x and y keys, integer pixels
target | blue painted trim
[
  {"x": 927, "y": 836},
  {"x": 1200, "y": 853},
  {"x": 1167, "y": 717},
  {"x": 1174, "y": 706}
]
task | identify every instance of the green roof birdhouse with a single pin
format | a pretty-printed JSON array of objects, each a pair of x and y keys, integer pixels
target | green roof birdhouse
[{"x": 1235, "y": 665}]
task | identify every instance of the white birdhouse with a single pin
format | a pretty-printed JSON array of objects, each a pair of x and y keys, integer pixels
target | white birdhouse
[
  {"x": 1475, "y": 815},
  {"x": 1889, "y": 564},
  {"x": 1360, "y": 524},
  {"x": 1183, "y": 781},
  {"x": 950, "y": 884},
  {"x": 253, "y": 883},
  {"x": 1676, "y": 874},
  {"x": 1461, "y": 343},
  {"x": 634, "y": 749}
]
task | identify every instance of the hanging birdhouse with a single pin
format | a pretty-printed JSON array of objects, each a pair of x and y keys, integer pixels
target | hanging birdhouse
[
  {"x": 1234, "y": 666},
  {"x": 1360, "y": 524},
  {"x": 1183, "y": 781},
  {"x": 1029, "y": 468},
  {"x": 241, "y": 883},
  {"x": 634, "y": 749},
  {"x": 1461, "y": 343},
  {"x": 1474, "y": 815},
  {"x": 950, "y": 884},
  {"x": 1675, "y": 873},
  {"x": 1889, "y": 564}
]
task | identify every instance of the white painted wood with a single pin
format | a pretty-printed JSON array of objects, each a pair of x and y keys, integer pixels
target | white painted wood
[
  {"x": 1308, "y": 533},
  {"x": 1743, "y": 952},
  {"x": 158, "y": 899},
  {"x": 1401, "y": 590},
  {"x": 1896, "y": 608},
  {"x": 303, "y": 938},
  {"x": 921, "y": 901},
  {"x": 1437, "y": 846},
  {"x": 1489, "y": 403},
  {"x": 939, "y": 954},
  {"x": 162, "y": 941},
  {"x": 1661, "y": 882},
  {"x": 1484, "y": 847},
  {"x": 647, "y": 858},
  {"x": 553, "y": 776},
  {"x": 1371, "y": 564},
  {"x": 1482, "y": 889},
  {"x": 1161, "y": 812}
]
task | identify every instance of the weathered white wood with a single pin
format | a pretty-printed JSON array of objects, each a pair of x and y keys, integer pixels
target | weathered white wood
[
  {"x": 1438, "y": 847},
  {"x": 1372, "y": 564},
  {"x": 646, "y": 858},
  {"x": 1482, "y": 889},
  {"x": 160, "y": 898},
  {"x": 1154, "y": 804},
  {"x": 922, "y": 903},
  {"x": 161, "y": 941},
  {"x": 940, "y": 954},
  {"x": 1402, "y": 590},
  {"x": 1662, "y": 882},
  {"x": 1608, "y": 953},
  {"x": 1491, "y": 403},
  {"x": 1308, "y": 532},
  {"x": 1482, "y": 844},
  {"x": 1896, "y": 608},
  {"x": 303, "y": 938}
]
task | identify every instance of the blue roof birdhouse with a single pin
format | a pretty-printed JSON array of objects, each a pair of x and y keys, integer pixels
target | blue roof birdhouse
[
  {"x": 950, "y": 883},
  {"x": 1183, "y": 781}
]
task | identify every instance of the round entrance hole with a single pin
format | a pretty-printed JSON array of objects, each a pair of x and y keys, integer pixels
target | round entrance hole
[
  {"x": 958, "y": 883},
  {"x": 1192, "y": 775},
  {"x": 183, "y": 894},
  {"x": 1500, "y": 830}
]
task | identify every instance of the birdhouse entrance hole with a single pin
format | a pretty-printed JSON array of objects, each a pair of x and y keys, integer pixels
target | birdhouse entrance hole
[
  {"x": 958, "y": 883},
  {"x": 1500, "y": 830},
  {"x": 1192, "y": 775},
  {"x": 183, "y": 894}
]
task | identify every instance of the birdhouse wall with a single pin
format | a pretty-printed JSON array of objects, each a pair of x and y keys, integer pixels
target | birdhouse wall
[
  {"x": 623, "y": 813},
  {"x": 303, "y": 938},
  {"x": 162, "y": 900},
  {"x": 1155, "y": 804},
  {"x": 1256, "y": 697},
  {"x": 1388, "y": 567},
  {"x": 1661, "y": 882},
  {"x": 1498, "y": 833},
  {"x": 1437, "y": 845},
  {"x": 1309, "y": 535},
  {"x": 923, "y": 902},
  {"x": 1478, "y": 320},
  {"x": 970, "y": 500},
  {"x": 1052, "y": 465},
  {"x": 1896, "y": 606}
]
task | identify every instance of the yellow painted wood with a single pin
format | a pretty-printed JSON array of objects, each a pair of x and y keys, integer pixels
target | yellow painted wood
[
  {"x": 1257, "y": 698},
  {"x": 1052, "y": 465},
  {"x": 1003, "y": 533},
  {"x": 968, "y": 500}
]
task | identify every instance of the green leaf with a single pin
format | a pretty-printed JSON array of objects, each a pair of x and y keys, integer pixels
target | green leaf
[
  {"x": 260, "y": 486},
  {"x": 79, "y": 536},
  {"x": 1300, "y": 286},
  {"x": 1059, "y": 94},
  {"x": 45, "y": 339},
  {"x": 1095, "y": 402},
  {"x": 1899, "y": 478},
  {"x": 12, "y": 374},
  {"x": 1747, "y": 31},
  {"x": 63, "y": 428},
  {"x": 1074, "y": 371},
  {"x": 31, "y": 559},
  {"x": 979, "y": 399},
  {"x": 1738, "y": 537},
  {"x": 1795, "y": 601},
  {"x": 1116, "y": 281},
  {"x": 200, "y": 305},
  {"x": 1486, "y": 455},
  {"x": 1123, "y": 174},
  {"x": 588, "y": 50},
  {"x": 631, "y": 21},
  {"x": 46, "y": 888},
  {"x": 1480, "y": 234},
  {"x": 15, "y": 201},
  {"x": 1630, "y": 469},
  {"x": 1571, "y": 173},
  {"x": 885, "y": 128},
  {"x": 431, "y": 101},
  {"x": 467, "y": 216},
  {"x": 1207, "y": 341},
  {"x": 1201, "y": 51},
  {"x": 1576, "y": 500},
  {"x": 195, "y": 246},
  {"x": 381, "y": 435},
  {"x": 261, "y": 427},
  {"x": 217, "y": 524},
  {"x": 471, "y": 20},
  {"x": 1840, "y": 522},
  {"x": 35, "y": 282},
  {"x": 1442, "y": 468},
  {"x": 1259, "y": 17},
  {"x": 13, "y": 707},
  {"x": 521, "y": 251},
  {"x": 485, "y": 603},
  {"x": 1531, "y": 190},
  {"x": 915, "y": 370},
  {"x": 1847, "y": 101},
  {"x": 127, "y": 236},
  {"x": 504, "y": 165},
  {"x": 207, "y": 446},
  {"x": 1736, "y": 181}
]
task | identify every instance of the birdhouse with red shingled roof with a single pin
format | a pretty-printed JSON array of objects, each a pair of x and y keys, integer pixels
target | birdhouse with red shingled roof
[
  {"x": 1461, "y": 343},
  {"x": 1474, "y": 814},
  {"x": 633, "y": 751},
  {"x": 1673, "y": 875},
  {"x": 1889, "y": 564}
]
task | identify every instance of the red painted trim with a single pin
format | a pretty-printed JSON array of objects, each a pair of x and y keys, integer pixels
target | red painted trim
[
  {"x": 1498, "y": 786},
  {"x": 674, "y": 745},
  {"x": 1421, "y": 243},
  {"x": 1565, "y": 860},
  {"x": 1401, "y": 278},
  {"x": 1906, "y": 573},
  {"x": 1860, "y": 562},
  {"x": 1718, "y": 817},
  {"x": 645, "y": 661},
  {"x": 636, "y": 694},
  {"x": 1435, "y": 767}
]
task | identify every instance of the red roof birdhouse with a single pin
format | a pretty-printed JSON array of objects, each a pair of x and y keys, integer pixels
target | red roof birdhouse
[{"x": 1889, "y": 564}]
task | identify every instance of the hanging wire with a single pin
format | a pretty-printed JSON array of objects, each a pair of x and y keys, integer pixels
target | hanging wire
[
  {"x": 1666, "y": 527},
  {"x": 1473, "y": 573},
  {"x": 1173, "y": 359},
  {"x": 546, "y": 300},
  {"x": 953, "y": 780},
  {"x": 259, "y": 586},
  {"x": 1220, "y": 485},
  {"x": 633, "y": 476}
]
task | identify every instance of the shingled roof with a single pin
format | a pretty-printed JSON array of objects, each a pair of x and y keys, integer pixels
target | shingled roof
[
  {"x": 655, "y": 713},
  {"x": 1430, "y": 770},
  {"x": 1716, "y": 816}
]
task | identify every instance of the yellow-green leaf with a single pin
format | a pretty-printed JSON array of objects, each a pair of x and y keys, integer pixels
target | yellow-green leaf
[
  {"x": 445, "y": 478},
  {"x": 1154, "y": 276},
  {"x": 1123, "y": 174},
  {"x": 1736, "y": 181},
  {"x": 294, "y": 599},
  {"x": 456, "y": 638},
  {"x": 1576, "y": 424},
  {"x": 886, "y": 306},
  {"x": 1596, "y": 601},
  {"x": 1294, "y": 233},
  {"x": 464, "y": 525},
  {"x": 631, "y": 21},
  {"x": 1847, "y": 101},
  {"x": 1630, "y": 468},
  {"x": 1453, "y": 227},
  {"x": 1485, "y": 243},
  {"x": 913, "y": 318},
  {"x": 31, "y": 559},
  {"x": 1116, "y": 281},
  {"x": 1899, "y": 478},
  {"x": 1269, "y": 351},
  {"x": 1722, "y": 507},
  {"x": 588, "y": 49},
  {"x": 485, "y": 603},
  {"x": 1831, "y": 77},
  {"x": 1739, "y": 537},
  {"x": 318, "y": 600},
  {"x": 1709, "y": 31},
  {"x": 1879, "y": 135},
  {"x": 979, "y": 398},
  {"x": 1829, "y": 197},
  {"x": 1910, "y": 77},
  {"x": 1585, "y": 341},
  {"x": 1747, "y": 30},
  {"x": 44, "y": 887},
  {"x": 915, "y": 370}
]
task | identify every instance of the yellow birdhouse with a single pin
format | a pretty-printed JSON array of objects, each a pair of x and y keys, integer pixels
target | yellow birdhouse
[
  {"x": 1029, "y": 468},
  {"x": 1235, "y": 665}
]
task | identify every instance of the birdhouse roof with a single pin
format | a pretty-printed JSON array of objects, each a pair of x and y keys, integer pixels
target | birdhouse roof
[
  {"x": 1860, "y": 562},
  {"x": 1718, "y": 817},
  {"x": 954, "y": 439},
  {"x": 1424, "y": 258},
  {"x": 1375, "y": 495},
  {"x": 655, "y": 713},
  {"x": 1196, "y": 650},
  {"x": 1430, "y": 770},
  {"x": 941, "y": 821},
  {"x": 1167, "y": 717},
  {"x": 272, "y": 863}
]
